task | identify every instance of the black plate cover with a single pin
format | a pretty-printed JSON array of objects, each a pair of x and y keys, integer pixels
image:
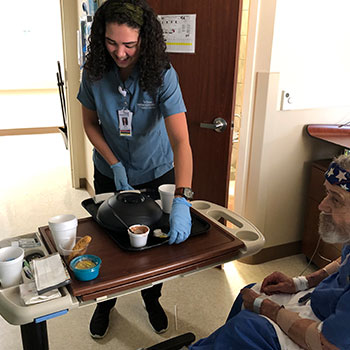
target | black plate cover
[
  {"x": 128, "y": 208},
  {"x": 121, "y": 237}
]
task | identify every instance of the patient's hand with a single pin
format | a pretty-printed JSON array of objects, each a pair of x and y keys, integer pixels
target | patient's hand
[
  {"x": 277, "y": 282},
  {"x": 268, "y": 307},
  {"x": 248, "y": 296}
]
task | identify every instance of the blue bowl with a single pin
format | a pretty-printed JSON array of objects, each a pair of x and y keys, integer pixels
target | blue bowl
[{"x": 87, "y": 274}]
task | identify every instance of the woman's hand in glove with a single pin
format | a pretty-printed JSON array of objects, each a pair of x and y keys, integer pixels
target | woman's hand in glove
[
  {"x": 180, "y": 220},
  {"x": 120, "y": 179}
]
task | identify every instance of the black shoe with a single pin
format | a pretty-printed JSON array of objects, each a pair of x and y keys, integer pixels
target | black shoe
[
  {"x": 156, "y": 316},
  {"x": 100, "y": 319}
]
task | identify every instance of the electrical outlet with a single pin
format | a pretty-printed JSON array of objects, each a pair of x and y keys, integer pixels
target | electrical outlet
[{"x": 286, "y": 100}]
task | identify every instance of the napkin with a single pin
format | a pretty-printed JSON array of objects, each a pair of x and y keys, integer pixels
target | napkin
[
  {"x": 30, "y": 295},
  {"x": 49, "y": 273}
]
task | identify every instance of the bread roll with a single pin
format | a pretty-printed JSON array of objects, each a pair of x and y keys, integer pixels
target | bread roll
[{"x": 80, "y": 247}]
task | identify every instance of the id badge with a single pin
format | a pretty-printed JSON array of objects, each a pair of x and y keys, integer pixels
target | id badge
[{"x": 125, "y": 121}]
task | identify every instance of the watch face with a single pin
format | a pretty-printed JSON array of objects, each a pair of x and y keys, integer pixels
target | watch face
[
  {"x": 184, "y": 192},
  {"x": 188, "y": 193}
]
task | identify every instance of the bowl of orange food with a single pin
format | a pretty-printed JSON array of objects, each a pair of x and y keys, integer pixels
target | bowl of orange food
[{"x": 86, "y": 267}]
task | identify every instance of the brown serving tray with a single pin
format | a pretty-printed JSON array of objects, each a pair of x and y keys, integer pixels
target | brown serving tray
[{"x": 123, "y": 270}]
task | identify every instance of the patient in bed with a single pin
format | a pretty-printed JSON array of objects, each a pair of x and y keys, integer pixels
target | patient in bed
[{"x": 304, "y": 312}]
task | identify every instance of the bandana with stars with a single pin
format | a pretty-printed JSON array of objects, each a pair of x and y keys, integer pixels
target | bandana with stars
[{"x": 336, "y": 175}]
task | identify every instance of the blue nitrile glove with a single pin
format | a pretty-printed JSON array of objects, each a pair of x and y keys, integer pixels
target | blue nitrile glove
[
  {"x": 120, "y": 179},
  {"x": 180, "y": 221}
]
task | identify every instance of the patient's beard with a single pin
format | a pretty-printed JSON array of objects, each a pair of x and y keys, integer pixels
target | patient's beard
[{"x": 332, "y": 233}]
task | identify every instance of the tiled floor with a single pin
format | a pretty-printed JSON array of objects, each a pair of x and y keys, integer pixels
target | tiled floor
[{"x": 35, "y": 185}]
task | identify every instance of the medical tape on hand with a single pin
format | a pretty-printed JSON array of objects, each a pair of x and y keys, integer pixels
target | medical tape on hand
[
  {"x": 286, "y": 318},
  {"x": 300, "y": 283},
  {"x": 332, "y": 267},
  {"x": 257, "y": 303},
  {"x": 312, "y": 337}
]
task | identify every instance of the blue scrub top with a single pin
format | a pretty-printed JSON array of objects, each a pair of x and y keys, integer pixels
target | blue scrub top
[
  {"x": 147, "y": 154},
  {"x": 330, "y": 301}
]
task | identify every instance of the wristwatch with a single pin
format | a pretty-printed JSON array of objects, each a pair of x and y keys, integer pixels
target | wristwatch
[{"x": 185, "y": 192}]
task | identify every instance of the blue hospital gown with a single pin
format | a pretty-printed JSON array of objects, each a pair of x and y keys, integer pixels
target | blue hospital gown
[{"x": 330, "y": 302}]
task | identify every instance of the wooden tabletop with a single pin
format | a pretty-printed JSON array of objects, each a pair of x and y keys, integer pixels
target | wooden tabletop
[
  {"x": 123, "y": 270},
  {"x": 334, "y": 133}
]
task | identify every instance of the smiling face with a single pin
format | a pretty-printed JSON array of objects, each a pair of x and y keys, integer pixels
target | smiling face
[
  {"x": 123, "y": 44},
  {"x": 335, "y": 215}
]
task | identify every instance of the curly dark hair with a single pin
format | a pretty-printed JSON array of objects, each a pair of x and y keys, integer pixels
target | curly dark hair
[{"x": 153, "y": 59}]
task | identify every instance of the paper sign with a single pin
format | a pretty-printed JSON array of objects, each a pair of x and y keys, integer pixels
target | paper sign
[{"x": 179, "y": 32}]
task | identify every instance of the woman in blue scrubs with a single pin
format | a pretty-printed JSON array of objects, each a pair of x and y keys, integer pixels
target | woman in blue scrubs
[{"x": 134, "y": 115}]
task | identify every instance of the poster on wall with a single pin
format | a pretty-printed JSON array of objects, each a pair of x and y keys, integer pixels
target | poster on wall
[{"x": 179, "y": 32}]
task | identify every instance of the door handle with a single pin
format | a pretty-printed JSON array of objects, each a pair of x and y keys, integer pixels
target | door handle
[{"x": 219, "y": 125}]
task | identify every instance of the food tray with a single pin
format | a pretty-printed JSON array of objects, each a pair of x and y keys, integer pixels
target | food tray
[{"x": 121, "y": 237}]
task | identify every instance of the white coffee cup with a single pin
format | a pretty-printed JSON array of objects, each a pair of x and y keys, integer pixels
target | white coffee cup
[
  {"x": 138, "y": 235},
  {"x": 63, "y": 227},
  {"x": 11, "y": 262},
  {"x": 166, "y": 196}
]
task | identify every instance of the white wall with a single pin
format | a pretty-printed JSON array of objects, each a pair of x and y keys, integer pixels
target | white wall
[
  {"x": 31, "y": 44},
  {"x": 311, "y": 50},
  {"x": 275, "y": 152}
]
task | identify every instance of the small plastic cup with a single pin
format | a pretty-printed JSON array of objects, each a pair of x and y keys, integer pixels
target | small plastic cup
[
  {"x": 138, "y": 235},
  {"x": 166, "y": 193},
  {"x": 66, "y": 248}
]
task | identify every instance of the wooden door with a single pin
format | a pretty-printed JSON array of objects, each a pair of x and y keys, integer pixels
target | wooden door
[{"x": 208, "y": 81}]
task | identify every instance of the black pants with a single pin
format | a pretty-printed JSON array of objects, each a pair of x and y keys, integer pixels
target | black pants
[{"x": 104, "y": 184}]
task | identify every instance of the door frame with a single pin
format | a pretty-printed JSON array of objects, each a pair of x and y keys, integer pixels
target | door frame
[
  {"x": 253, "y": 65},
  {"x": 70, "y": 24}
]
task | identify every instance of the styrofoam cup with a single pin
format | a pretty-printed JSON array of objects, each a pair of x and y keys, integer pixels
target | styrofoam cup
[
  {"x": 138, "y": 235},
  {"x": 11, "y": 261},
  {"x": 63, "y": 227},
  {"x": 166, "y": 196}
]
